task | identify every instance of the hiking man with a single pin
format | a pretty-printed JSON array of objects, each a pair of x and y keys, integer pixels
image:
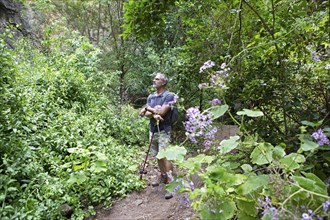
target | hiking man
[{"x": 158, "y": 110}]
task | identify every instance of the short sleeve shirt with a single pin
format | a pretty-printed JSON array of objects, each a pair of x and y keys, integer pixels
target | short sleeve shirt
[{"x": 159, "y": 100}]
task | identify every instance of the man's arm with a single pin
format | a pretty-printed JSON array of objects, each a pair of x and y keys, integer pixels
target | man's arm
[
  {"x": 147, "y": 111},
  {"x": 151, "y": 112}
]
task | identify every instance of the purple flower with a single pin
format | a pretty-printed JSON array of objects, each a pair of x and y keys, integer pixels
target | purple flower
[
  {"x": 171, "y": 103},
  {"x": 305, "y": 216},
  {"x": 223, "y": 66},
  {"x": 326, "y": 205},
  {"x": 218, "y": 78},
  {"x": 319, "y": 217},
  {"x": 192, "y": 138},
  {"x": 269, "y": 209},
  {"x": 199, "y": 127},
  {"x": 208, "y": 64},
  {"x": 176, "y": 189},
  {"x": 207, "y": 144},
  {"x": 184, "y": 201},
  {"x": 202, "y": 85},
  {"x": 215, "y": 102},
  {"x": 321, "y": 138},
  {"x": 192, "y": 186}
]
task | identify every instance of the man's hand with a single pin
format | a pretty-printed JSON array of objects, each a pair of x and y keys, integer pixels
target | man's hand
[
  {"x": 142, "y": 112},
  {"x": 158, "y": 118}
]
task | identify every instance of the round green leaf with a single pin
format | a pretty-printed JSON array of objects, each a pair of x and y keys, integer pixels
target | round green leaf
[
  {"x": 307, "y": 144},
  {"x": 174, "y": 153},
  {"x": 218, "y": 111},
  {"x": 246, "y": 168},
  {"x": 228, "y": 145},
  {"x": 291, "y": 161},
  {"x": 253, "y": 183},
  {"x": 262, "y": 154}
]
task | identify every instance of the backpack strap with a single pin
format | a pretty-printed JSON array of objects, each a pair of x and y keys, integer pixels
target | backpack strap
[{"x": 166, "y": 93}]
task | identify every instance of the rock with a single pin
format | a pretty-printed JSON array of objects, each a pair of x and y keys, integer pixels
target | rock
[
  {"x": 198, "y": 182},
  {"x": 11, "y": 14},
  {"x": 138, "y": 202},
  {"x": 66, "y": 210}
]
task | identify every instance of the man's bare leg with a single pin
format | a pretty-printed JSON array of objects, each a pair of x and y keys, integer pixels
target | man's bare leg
[{"x": 165, "y": 166}]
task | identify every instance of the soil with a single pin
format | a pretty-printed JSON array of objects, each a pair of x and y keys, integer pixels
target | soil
[{"x": 150, "y": 203}]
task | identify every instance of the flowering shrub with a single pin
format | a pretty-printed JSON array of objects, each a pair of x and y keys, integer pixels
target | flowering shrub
[
  {"x": 259, "y": 180},
  {"x": 199, "y": 126},
  {"x": 321, "y": 138},
  {"x": 208, "y": 64}
]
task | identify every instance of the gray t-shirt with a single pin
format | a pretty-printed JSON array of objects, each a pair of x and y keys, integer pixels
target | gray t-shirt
[{"x": 159, "y": 100}]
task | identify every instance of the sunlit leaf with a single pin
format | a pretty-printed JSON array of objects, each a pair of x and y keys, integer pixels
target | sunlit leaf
[
  {"x": 291, "y": 161},
  {"x": 262, "y": 154},
  {"x": 312, "y": 124},
  {"x": 320, "y": 186},
  {"x": 218, "y": 111},
  {"x": 99, "y": 166},
  {"x": 194, "y": 163},
  {"x": 278, "y": 152},
  {"x": 228, "y": 145},
  {"x": 225, "y": 210},
  {"x": 174, "y": 153},
  {"x": 253, "y": 183},
  {"x": 307, "y": 144},
  {"x": 77, "y": 178},
  {"x": 250, "y": 113},
  {"x": 246, "y": 168},
  {"x": 79, "y": 166},
  {"x": 247, "y": 206},
  {"x": 101, "y": 156},
  {"x": 72, "y": 150}
]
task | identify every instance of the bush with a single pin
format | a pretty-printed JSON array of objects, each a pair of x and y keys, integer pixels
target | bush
[{"x": 58, "y": 136}]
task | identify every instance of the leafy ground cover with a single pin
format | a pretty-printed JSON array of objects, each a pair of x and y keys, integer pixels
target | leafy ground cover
[{"x": 61, "y": 144}]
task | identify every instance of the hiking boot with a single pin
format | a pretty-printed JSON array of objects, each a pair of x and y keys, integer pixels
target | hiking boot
[
  {"x": 168, "y": 195},
  {"x": 162, "y": 179}
]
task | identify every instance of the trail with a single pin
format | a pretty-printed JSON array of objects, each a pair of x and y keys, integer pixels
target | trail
[{"x": 150, "y": 203}]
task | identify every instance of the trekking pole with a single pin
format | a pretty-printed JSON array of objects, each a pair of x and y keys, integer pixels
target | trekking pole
[{"x": 145, "y": 160}]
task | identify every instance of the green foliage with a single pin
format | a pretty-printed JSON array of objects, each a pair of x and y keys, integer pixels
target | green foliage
[
  {"x": 227, "y": 192},
  {"x": 144, "y": 25},
  {"x": 124, "y": 124},
  {"x": 57, "y": 134},
  {"x": 279, "y": 178},
  {"x": 172, "y": 153},
  {"x": 64, "y": 141}
]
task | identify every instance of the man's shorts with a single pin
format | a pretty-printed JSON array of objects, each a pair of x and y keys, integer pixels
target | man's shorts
[{"x": 161, "y": 140}]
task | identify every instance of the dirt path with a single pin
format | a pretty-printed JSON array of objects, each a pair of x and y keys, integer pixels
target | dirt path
[{"x": 149, "y": 203}]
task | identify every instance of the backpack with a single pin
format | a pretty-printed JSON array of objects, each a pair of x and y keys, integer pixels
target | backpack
[
  {"x": 174, "y": 112},
  {"x": 174, "y": 115}
]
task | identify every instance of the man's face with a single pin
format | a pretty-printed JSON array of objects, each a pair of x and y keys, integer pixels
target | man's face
[{"x": 158, "y": 81}]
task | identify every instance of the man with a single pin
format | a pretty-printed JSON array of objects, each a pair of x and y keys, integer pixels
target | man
[{"x": 158, "y": 110}]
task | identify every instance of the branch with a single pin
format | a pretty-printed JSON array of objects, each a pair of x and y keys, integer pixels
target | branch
[{"x": 261, "y": 19}]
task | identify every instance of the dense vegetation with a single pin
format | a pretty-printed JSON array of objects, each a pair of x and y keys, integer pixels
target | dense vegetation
[
  {"x": 69, "y": 134},
  {"x": 62, "y": 141}
]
